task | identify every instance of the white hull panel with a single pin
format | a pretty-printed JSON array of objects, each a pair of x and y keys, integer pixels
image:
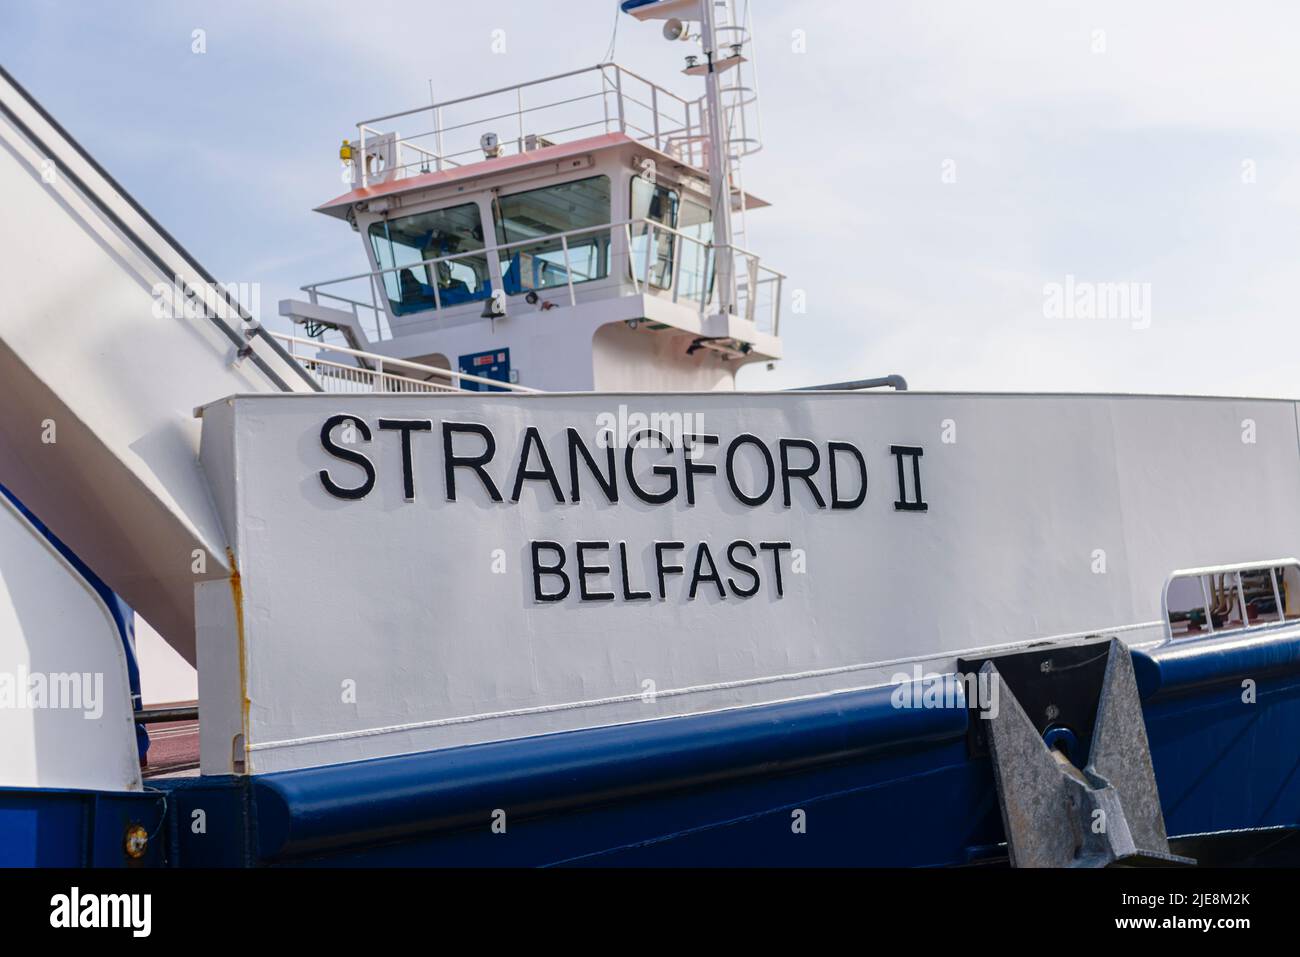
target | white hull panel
[{"x": 1047, "y": 515}]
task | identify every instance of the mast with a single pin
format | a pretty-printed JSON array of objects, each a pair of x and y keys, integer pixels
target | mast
[
  {"x": 722, "y": 148},
  {"x": 719, "y": 165}
]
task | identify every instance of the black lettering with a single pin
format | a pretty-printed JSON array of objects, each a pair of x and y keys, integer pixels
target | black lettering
[
  {"x": 661, "y": 569},
  {"x": 806, "y": 473},
  {"x": 451, "y": 461},
  {"x": 406, "y": 427},
  {"x": 904, "y": 504},
  {"x": 693, "y": 468},
  {"x": 654, "y": 498},
  {"x": 736, "y": 443},
  {"x": 348, "y": 455},
  {"x": 584, "y": 570},
  {"x": 836, "y": 501},
  {"x": 776, "y": 548},
  {"x": 742, "y": 567},
  {"x": 532, "y": 439},
  {"x": 608, "y": 484},
  {"x": 557, "y": 569},
  {"x": 701, "y": 554},
  {"x": 628, "y": 593}
]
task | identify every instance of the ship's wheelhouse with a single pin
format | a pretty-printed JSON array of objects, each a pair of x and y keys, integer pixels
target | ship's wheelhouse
[
  {"x": 611, "y": 223},
  {"x": 598, "y": 251}
]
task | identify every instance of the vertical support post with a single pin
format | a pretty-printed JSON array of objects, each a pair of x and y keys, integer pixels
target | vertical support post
[
  {"x": 496, "y": 278},
  {"x": 694, "y": 133},
  {"x": 618, "y": 94},
  {"x": 374, "y": 305},
  {"x": 437, "y": 124},
  {"x": 379, "y": 375},
  {"x": 568, "y": 269},
  {"x": 519, "y": 113},
  {"x": 719, "y": 168},
  {"x": 1241, "y": 598},
  {"x": 437, "y": 130},
  {"x": 776, "y": 306},
  {"x": 751, "y": 286},
  {"x": 604, "y": 95},
  {"x": 710, "y": 278},
  {"x": 649, "y": 249},
  {"x": 1277, "y": 595},
  {"x": 361, "y": 140},
  {"x": 654, "y": 108},
  {"x": 636, "y": 287},
  {"x": 1205, "y": 596},
  {"x": 677, "y": 263}
]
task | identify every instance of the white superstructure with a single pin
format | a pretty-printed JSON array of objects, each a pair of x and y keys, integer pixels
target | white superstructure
[{"x": 578, "y": 232}]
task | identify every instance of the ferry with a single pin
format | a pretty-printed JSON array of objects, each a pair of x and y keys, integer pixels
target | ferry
[{"x": 483, "y": 558}]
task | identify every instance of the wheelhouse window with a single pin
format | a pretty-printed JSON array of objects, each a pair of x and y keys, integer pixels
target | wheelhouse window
[
  {"x": 533, "y": 262},
  {"x": 695, "y": 223},
  {"x": 657, "y": 253},
  {"x": 404, "y": 246},
  {"x": 652, "y": 249}
]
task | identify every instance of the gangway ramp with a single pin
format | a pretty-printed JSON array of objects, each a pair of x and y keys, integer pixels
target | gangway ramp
[{"x": 99, "y": 382}]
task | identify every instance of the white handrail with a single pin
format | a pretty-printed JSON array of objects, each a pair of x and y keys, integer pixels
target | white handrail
[
  {"x": 475, "y": 253},
  {"x": 381, "y": 363},
  {"x": 1204, "y": 572},
  {"x": 764, "y": 274},
  {"x": 673, "y": 127}
]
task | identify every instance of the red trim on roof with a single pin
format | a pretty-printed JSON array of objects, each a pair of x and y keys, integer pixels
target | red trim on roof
[{"x": 547, "y": 154}]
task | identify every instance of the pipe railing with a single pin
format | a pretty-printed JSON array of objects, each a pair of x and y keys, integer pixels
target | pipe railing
[
  {"x": 373, "y": 373},
  {"x": 758, "y": 292},
  {"x": 1222, "y": 586},
  {"x": 668, "y": 122}
]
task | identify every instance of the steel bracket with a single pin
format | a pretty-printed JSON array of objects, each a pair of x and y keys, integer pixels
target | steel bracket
[{"x": 1056, "y": 814}]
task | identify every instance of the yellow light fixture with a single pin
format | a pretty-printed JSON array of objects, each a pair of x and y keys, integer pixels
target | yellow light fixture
[
  {"x": 136, "y": 841},
  {"x": 345, "y": 152}
]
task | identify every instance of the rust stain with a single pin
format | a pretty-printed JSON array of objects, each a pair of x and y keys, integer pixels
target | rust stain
[{"x": 237, "y": 594}]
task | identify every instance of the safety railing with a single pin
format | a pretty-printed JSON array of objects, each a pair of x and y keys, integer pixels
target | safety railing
[
  {"x": 1225, "y": 590},
  {"x": 343, "y": 370},
  {"x": 758, "y": 292},
  {"x": 632, "y": 256},
  {"x": 605, "y": 98}
]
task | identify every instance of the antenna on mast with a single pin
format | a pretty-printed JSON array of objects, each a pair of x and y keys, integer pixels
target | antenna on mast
[{"x": 723, "y": 41}]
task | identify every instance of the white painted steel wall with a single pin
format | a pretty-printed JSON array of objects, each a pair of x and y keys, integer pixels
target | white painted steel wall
[
  {"x": 400, "y": 600},
  {"x": 53, "y": 625},
  {"x": 82, "y": 350}
]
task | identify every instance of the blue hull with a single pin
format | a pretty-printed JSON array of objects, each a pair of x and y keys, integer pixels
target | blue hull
[{"x": 878, "y": 786}]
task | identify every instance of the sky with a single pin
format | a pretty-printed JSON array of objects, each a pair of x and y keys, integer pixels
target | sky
[{"x": 938, "y": 170}]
